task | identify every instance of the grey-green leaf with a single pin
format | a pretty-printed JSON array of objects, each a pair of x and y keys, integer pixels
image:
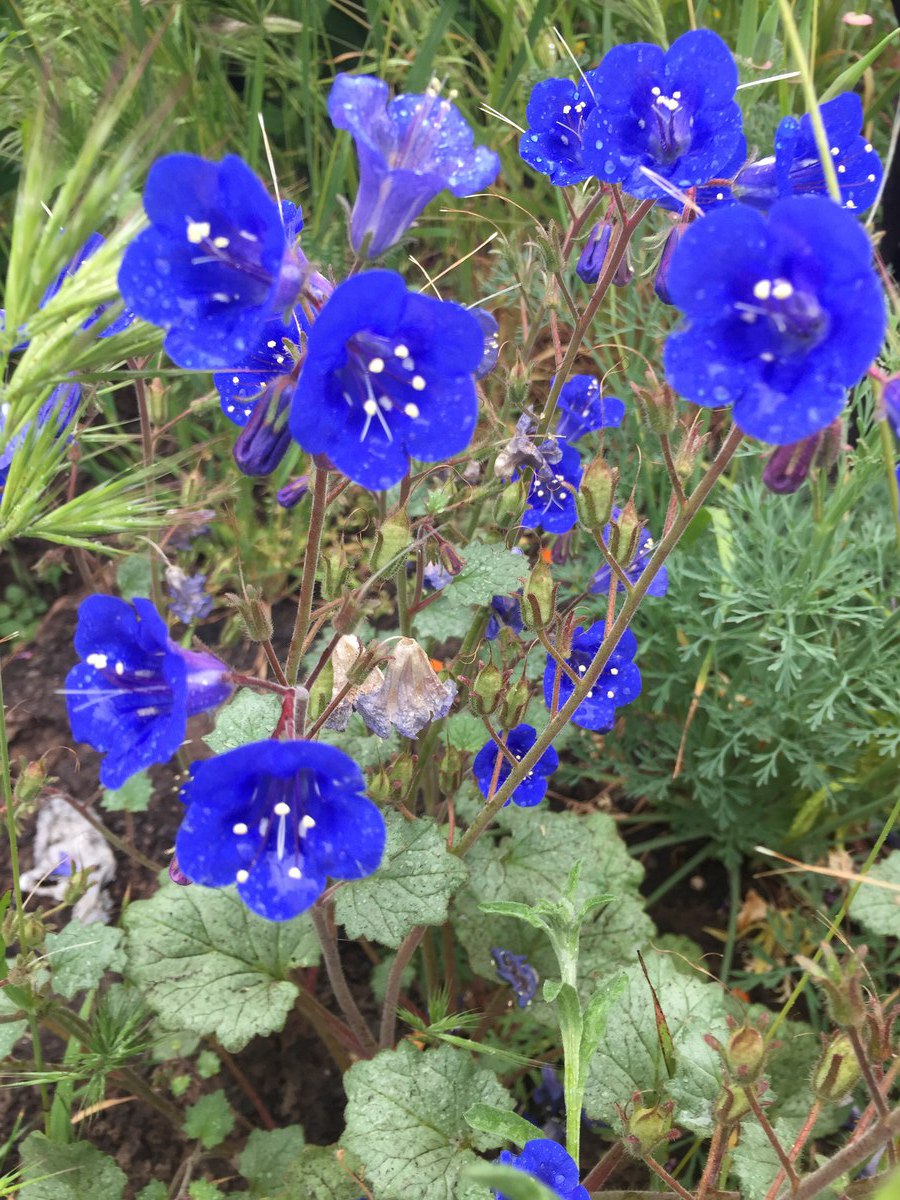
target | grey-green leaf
[
  {"x": 78, "y": 1171},
  {"x": 406, "y": 1119},
  {"x": 80, "y": 954},
  {"x": 250, "y": 717},
  {"x": 500, "y": 1123},
  {"x": 412, "y": 886},
  {"x": 209, "y": 965},
  {"x": 490, "y": 570},
  {"x": 876, "y": 908},
  {"x": 323, "y": 1173},
  {"x": 268, "y": 1158}
]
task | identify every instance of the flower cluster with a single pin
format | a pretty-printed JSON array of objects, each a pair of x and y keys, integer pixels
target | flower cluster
[{"x": 618, "y": 685}]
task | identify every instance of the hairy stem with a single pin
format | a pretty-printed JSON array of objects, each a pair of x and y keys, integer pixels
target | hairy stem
[
  {"x": 310, "y": 565},
  {"x": 328, "y": 941},
  {"x": 392, "y": 992}
]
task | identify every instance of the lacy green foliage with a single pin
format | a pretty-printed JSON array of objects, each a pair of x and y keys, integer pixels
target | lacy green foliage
[
  {"x": 799, "y": 722},
  {"x": 529, "y": 854},
  {"x": 266, "y": 1160},
  {"x": 250, "y": 717},
  {"x": 878, "y": 909},
  {"x": 406, "y": 1119},
  {"x": 81, "y": 954},
  {"x": 413, "y": 885},
  {"x": 210, "y": 1120},
  {"x": 78, "y": 1171},
  {"x": 207, "y": 964}
]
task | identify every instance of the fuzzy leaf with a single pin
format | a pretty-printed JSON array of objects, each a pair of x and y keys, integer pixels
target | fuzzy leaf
[
  {"x": 133, "y": 796},
  {"x": 268, "y": 1157},
  {"x": 80, "y": 954},
  {"x": 210, "y": 1120},
  {"x": 878, "y": 909},
  {"x": 133, "y": 576},
  {"x": 500, "y": 1123},
  {"x": 250, "y": 717},
  {"x": 516, "y": 1185},
  {"x": 490, "y": 570},
  {"x": 78, "y": 1171},
  {"x": 406, "y": 1119},
  {"x": 323, "y": 1173},
  {"x": 754, "y": 1161},
  {"x": 528, "y": 856},
  {"x": 208, "y": 964},
  {"x": 412, "y": 886}
]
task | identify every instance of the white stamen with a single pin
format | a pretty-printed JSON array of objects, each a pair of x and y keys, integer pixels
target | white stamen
[
  {"x": 150, "y": 711},
  {"x": 98, "y": 661},
  {"x": 220, "y": 242},
  {"x": 376, "y": 366},
  {"x": 567, "y": 108},
  {"x": 242, "y": 876},
  {"x": 411, "y": 410},
  {"x": 239, "y": 828},
  {"x": 767, "y": 356},
  {"x": 280, "y": 839},
  {"x": 120, "y": 668},
  {"x": 655, "y": 91},
  {"x": 235, "y": 379},
  {"x": 370, "y": 407},
  {"x": 282, "y": 809},
  {"x": 418, "y": 383},
  {"x": 610, "y": 695},
  {"x": 222, "y": 297},
  {"x": 782, "y": 289},
  {"x": 762, "y": 289},
  {"x": 272, "y": 344},
  {"x": 835, "y": 150},
  {"x": 401, "y": 351},
  {"x": 295, "y": 872},
  {"x": 197, "y": 231},
  {"x": 306, "y": 823},
  {"x": 251, "y": 237},
  {"x": 613, "y": 670}
]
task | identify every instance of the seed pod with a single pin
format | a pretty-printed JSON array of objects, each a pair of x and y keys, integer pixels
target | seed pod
[
  {"x": 515, "y": 702},
  {"x": 596, "y": 494},
  {"x": 731, "y": 1105},
  {"x": 539, "y": 597},
  {"x": 255, "y": 614},
  {"x": 745, "y": 1054},
  {"x": 390, "y": 541},
  {"x": 838, "y": 1070},
  {"x": 646, "y": 1128},
  {"x": 486, "y": 690}
]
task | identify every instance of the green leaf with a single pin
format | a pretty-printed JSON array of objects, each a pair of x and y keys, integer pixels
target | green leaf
[
  {"x": 11, "y": 1031},
  {"x": 630, "y": 1058},
  {"x": 324, "y": 1173},
  {"x": 81, "y": 953},
  {"x": 155, "y": 1190},
  {"x": 511, "y": 908},
  {"x": 754, "y": 1161},
  {"x": 210, "y": 1120},
  {"x": 202, "y": 1189},
  {"x": 490, "y": 570},
  {"x": 207, "y": 964},
  {"x": 878, "y": 909},
  {"x": 500, "y": 1123},
  {"x": 466, "y": 731},
  {"x": 133, "y": 576},
  {"x": 596, "y": 1014},
  {"x": 268, "y": 1157},
  {"x": 406, "y": 1119},
  {"x": 413, "y": 885},
  {"x": 250, "y": 717},
  {"x": 516, "y": 1185},
  {"x": 208, "y": 1064},
  {"x": 133, "y": 796},
  {"x": 78, "y": 1171},
  {"x": 529, "y": 854}
]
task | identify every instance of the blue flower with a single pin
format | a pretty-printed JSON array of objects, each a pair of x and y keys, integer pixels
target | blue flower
[
  {"x": 241, "y": 385},
  {"x": 635, "y": 569},
  {"x": 618, "y": 685},
  {"x": 387, "y": 377},
  {"x": 60, "y": 407},
  {"x": 785, "y": 314},
  {"x": 515, "y": 970},
  {"x": 593, "y": 254},
  {"x": 556, "y": 115},
  {"x": 216, "y": 263},
  {"x": 548, "y": 1162},
  {"x": 134, "y": 689},
  {"x": 519, "y": 741},
  {"x": 671, "y": 112},
  {"x": 436, "y": 576},
  {"x": 551, "y": 501},
  {"x": 410, "y": 149},
  {"x": 584, "y": 408},
  {"x": 188, "y": 600},
  {"x": 796, "y": 169},
  {"x": 505, "y": 610},
  {"x": 278, "y": 819},
  {"x": 266, "y": 438},
  {"x": 491, "y": 332}
]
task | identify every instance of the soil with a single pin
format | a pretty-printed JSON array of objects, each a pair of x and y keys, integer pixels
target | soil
[{"x": 289, "y": 1075}]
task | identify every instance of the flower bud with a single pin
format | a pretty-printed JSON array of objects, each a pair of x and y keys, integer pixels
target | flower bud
[
  {"x": 486, "y": 690},
  {"x": 625, "y": 531},
  {"x": 745, "y": 1054},
  {"x": 255, "y": 614},
  {"x": 515, "y": 702},
  {"x": 539, "y": 597},
  {"x": 838, "y": 1070},
  {"x": 661, "y": 282},
  {"x": 788, "y": 466},
  {"x": 411, "y": 695},
  {"x": 29, "y": 783},
  {"x": 390, "y": 541},
  {"x": 264, "y": 440},
  {"x": 731, "y": 1105},
  {"x": 596, "y": 494},
  {"x": 292, "y": 493},
  {"x": 891, "y": 399},
  {"x": 593, "y": 255},
  {"x": 646, "y": 1128},
  {"x": 657, "y": 404},
  {"x": 176, "y": 874},
  {"x": 510, "y": 504},
  {"x": 333, "y": 575}
]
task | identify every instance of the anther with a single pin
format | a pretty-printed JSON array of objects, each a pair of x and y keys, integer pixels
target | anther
[
  {"x": 418, "y": 383},
  {"x": 411, "y": 410},
  {"x": 220, "y": 242},
  {"x": 762, "y": 289},
  {"x": 782, "y": 289},
  {"x": 295, "y": 872},
  {"x": 242, "y": 876},
  {"x": 401, "y": 351},
  {"x": 376, "y": 366},
  {"x": 239, "y": 828},
  {"x": 197, "y": 231},
  {"x": 282, "y": 809}
]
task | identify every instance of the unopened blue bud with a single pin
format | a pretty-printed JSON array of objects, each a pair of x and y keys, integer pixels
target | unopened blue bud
[
  {"x": 661, "y": 282},
  {"x": 263, "y": 442},
  {"x": 292, "y": 493},
  {"x": 590, "y": 262}
]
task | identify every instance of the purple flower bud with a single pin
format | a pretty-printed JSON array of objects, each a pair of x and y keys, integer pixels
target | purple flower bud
[
  {"x": 515, "y": 970},
  {"x": 590, "y": 263},
  {"x": 292, "y": 493},
  {"x": 176, "y": 874},
  {"x": 891, "y": 397},
  {"x": 661, "y": 282},
  {"x": 788, "y": 466},
  {"x": 264, "y": 440}
]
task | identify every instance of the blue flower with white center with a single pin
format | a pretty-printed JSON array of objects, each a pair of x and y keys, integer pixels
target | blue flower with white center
[
  {"x": 785, "y": 313},
  {"x": 583, "y": 408},
  {"x": 278, "y": 819},
  {"x": 618, "y": 685},
  {"x": 515, "y": 970},
  {"x": 796, "y": 169},
  {"x": 217, "y": 262},
  {"x": 410, "y": 149},
  {"x": 669, "y": 112},
  {"x": 635, "y": 569},
  {"x": 132, "y": 693},
  {"x": 551, "y": 1164},
  {"x": 556, "y": 115},
  {"x": 388, "y": 376},
  {"x": 551, "y": 502},
  {"x": 504, "y": 611},
  {"x": 241, "y": 386},
  {"x": 59, "y": 408},
  {"x": 519, "y": 741}
]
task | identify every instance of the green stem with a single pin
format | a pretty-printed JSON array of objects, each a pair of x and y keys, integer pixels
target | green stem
[
  {"x": 11, "y": 824},
  {"x": 310, "y": 565},
  {"x": 632, "y": 602},
  {"x": 812, "y": 104},
  {"x": 889, "y": 454},
  {"x": 734, "y": 907}
]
